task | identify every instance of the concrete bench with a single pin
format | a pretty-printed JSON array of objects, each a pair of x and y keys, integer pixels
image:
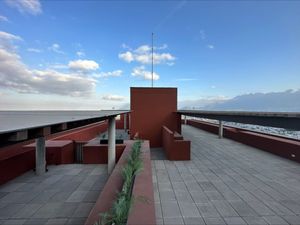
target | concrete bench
[{"x": 175, "y": 147}]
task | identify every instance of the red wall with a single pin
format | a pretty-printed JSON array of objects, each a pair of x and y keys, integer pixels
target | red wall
[
  {"x": 175, "y": 147},
  {"x": 152, "y": 108}
]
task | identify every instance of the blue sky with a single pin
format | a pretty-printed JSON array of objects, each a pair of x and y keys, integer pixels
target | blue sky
[{"x": 86, "y": 54}]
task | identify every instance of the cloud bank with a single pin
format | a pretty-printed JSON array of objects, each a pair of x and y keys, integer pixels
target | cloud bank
[
  {"x": 16, "y": 76},
  {"x": 32, "y": 7}
]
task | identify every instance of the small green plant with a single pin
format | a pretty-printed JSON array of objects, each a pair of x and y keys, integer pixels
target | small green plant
[{"x": 118, "y": 214}]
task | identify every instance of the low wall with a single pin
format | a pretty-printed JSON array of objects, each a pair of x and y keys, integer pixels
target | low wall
[
  {"x": 84, "y": 133},
  {"x": 142, "y": 213},
  {"x": 96, "y": 153},
  {"x": 175, "y": 147},
  {"x": 57, "y": 152},
  {"x": 285, "y": 147}
]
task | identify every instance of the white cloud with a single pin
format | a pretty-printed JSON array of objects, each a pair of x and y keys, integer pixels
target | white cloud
[
  {"x": 3, "y": 19},
  {"x": 58, "y": 66},
  {"x": 210, "y": 46},
  {"x": 80, "y": 53},
  {"x": 9, "y": 37},
  {"x": 35, "y": 50},
  {"x": 83, "y": 65},
  {"x": 213, "y": 86},
  {"x": 33, "y": 7},
  {"x": 113, "y": 98},
  {"x": 56, "y": 48},
  {"x": 143, "y": 55},
  {"x": 16, "y": 76},
  {"x": 115, "y": 73},
  {"x": 6, "y": 40},
  {"x": 127, "y": 56},
  {"x": 125, "y": 46},
  {"x": 141, "y": 72}
]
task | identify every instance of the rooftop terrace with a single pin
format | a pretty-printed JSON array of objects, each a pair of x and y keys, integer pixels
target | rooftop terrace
[
  {"x": 226, "y": 182},
  {"x": 64, "y": 195}
]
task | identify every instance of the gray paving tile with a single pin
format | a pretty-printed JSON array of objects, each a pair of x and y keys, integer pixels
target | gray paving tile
[
  {"x": 34, "y": 221},
  {"x": 14, "y": 222},
  {"x": 167, "y": 195},
  {"x": 27, "y": 211},
  {"x": 170, "y": 209},
  {"x": 199, "y": 197},
  {"x": 59, "y": 221},
  {"x": 214, "y": 220},
  {"x": 293, "y": 220},
  {"x": 253, "y": 220},
  {"x": 275, "y": 220},
  {"x": 189, "y": 209},
  {"x": 234, "y": 221},
  {"x": 224, "y": 208},
  {"x": 158, "y": 211},
  {"x": 183, "y": 196},
  {"x": 173, "y": 221},
  {"x": 9, "y": 210},
  {"x": 83, "y": 210},
  {"x": 193, "y": 220},
  {"x": 260, "y": 208},
  {"x": 242, "y": 208},
  {"x": 48, "y": 210},
  {"x": 76, "y": 221},
  {"x": 207, "y": 210},
  {"x": 77, "y": 196},
  {"x": 10, "y": 186},
  {"x": 159, "y": 221}
]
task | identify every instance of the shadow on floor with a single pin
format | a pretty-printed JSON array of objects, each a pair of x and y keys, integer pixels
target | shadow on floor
[{"x": 158, "y": 154}]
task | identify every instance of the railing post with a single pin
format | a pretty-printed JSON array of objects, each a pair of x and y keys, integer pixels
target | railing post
[
  {"x": 125, "y": 121},
  {"x": 40, "y": 156},
  {"x": 220, "y": 129},
  {"x": 185, "y": 120},
  {"x": 111, "y": 144}
]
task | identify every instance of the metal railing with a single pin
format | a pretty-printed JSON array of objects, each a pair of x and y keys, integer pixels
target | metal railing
[{"x": 287, "y": 120}]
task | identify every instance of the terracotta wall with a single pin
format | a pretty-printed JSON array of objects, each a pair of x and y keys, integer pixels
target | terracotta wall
[
  {"x": 152, "y": 108},
  {"x": 174, "y": 146}
]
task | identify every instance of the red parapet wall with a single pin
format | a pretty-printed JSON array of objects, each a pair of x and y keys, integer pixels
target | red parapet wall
[
  {"x": 284, "y": 147},
  {"x": 175, "y": 147},
  {"x": 16, "y": 164},
  {"x": 96, "y": 153},
  {"x": 142, "y": 212},
  {"x": 152, "y": 108},
  {"x": 84, "y": 133}
]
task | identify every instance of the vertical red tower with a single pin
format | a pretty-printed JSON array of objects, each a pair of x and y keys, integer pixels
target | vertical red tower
[{"x": 152, "y": 108}]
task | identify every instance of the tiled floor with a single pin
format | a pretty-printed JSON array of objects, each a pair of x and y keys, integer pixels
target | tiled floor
[
  {"x": 64, "y": 195},
  {"x": 226, "y": 183}
]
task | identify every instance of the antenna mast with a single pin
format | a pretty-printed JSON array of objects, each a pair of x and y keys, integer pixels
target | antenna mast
[{"x": 152, "y": 60}]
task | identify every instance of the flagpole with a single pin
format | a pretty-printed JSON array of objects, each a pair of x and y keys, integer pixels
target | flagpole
[{"x": 152, "y": 61}]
